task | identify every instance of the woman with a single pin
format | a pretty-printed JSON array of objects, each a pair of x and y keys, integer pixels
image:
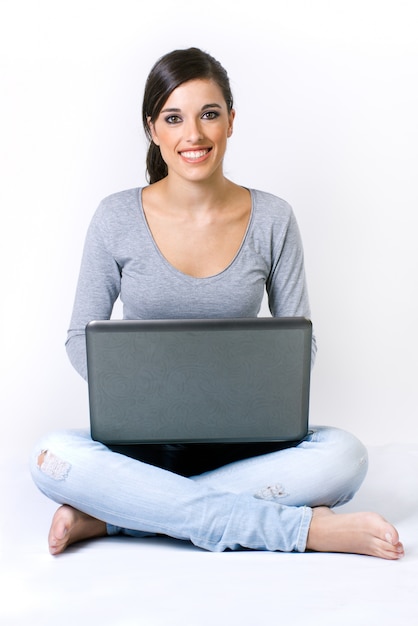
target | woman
[{"x": 193, "y": 244}]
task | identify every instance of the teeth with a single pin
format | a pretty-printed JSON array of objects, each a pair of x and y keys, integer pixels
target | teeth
[{"x": 194, "y": 154}]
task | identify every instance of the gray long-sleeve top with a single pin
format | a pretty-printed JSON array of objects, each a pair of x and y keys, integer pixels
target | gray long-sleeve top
[{"x": 121, "y": 258}]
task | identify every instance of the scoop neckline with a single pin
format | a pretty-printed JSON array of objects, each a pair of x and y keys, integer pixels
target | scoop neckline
[{"x": 174, "y": 269}]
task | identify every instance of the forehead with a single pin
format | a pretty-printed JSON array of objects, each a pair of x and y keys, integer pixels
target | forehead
[{"x": 197, "y": 92}]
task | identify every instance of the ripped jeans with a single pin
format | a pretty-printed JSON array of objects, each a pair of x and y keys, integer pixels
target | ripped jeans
[{"x": 262, "y": 503}]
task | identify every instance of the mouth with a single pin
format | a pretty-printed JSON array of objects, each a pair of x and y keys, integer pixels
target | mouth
[{"x": 195, "y": 155}]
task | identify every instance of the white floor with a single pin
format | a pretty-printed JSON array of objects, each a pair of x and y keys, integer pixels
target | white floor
[{"x": 160, "y": 582}]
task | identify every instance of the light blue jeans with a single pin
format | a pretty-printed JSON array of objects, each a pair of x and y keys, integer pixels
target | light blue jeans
[{"x": 261, "y": 503}]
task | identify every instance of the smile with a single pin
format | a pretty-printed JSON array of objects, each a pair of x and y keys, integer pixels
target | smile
[{"x": 194, "y": 155}]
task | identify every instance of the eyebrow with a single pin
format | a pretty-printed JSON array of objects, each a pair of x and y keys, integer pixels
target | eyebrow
[{"x": 213, "y": 105}]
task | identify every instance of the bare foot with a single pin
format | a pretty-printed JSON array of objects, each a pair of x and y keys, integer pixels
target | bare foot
[
  {"x": 355, "y": 533},
  {"x": 69, "y": 526}
]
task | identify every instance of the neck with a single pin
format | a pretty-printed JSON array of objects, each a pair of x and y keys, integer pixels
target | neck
[{"x": 191, "y": 195}]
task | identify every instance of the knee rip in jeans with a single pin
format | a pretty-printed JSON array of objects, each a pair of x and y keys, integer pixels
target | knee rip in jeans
[
  {"x": 272, "y": 492},
  {"x": 53, "y": 466}
]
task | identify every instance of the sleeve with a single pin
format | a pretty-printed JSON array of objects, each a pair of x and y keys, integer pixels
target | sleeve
[
  {"x": 97, "y": 290},
  {"x": 286, "y": 284}
]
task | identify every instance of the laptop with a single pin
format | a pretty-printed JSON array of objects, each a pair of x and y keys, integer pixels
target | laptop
[{"x": 199, "y": 381}]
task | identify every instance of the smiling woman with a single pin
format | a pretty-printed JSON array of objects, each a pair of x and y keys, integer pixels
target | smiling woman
[
  {"x": 191, "y": 133},
  {"x": 170, "y": 72},
  {"x": 193, "y": 244},
  {"x": 188, "y": 130}
]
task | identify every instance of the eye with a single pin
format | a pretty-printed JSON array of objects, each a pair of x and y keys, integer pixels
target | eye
[
  {"x": 210, "y": 115},
  {"x": 173, "y": 119}
]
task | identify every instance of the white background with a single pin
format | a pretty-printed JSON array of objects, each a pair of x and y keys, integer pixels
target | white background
[{"x": 326, "y": 95}]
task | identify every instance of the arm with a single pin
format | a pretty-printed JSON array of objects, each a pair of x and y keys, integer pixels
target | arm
[
  {"x": 97, "y": 289},
  {"x": 286, "y": 284}
]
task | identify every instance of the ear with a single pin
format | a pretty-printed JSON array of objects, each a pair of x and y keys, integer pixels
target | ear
[
  {"x": 152, "y": 131},
  {"x": 231, "y": 123}
]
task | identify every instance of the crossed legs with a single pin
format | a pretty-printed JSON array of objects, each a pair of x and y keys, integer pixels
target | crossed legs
[{"x": 243, "y": 504}]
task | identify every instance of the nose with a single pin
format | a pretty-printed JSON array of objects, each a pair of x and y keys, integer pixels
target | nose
[{"x": 193, "y": 131}]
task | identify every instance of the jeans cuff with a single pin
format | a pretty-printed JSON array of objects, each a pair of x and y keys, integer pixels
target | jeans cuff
[
  {"x": 112, "y": 530},
  {"x": 304, "y": 529}
]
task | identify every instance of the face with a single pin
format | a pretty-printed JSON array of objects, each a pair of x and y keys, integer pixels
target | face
[{"x": 192, "y": 130}]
